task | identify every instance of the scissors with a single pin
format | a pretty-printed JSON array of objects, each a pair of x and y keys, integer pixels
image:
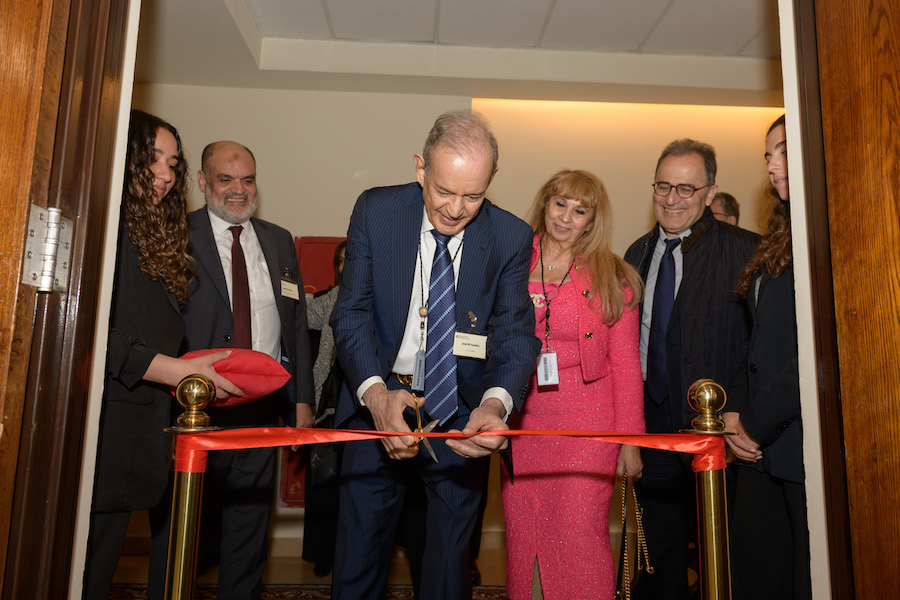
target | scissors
[{"x": 426, "y": 429}]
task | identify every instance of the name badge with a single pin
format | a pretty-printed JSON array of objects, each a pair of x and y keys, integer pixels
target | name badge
[
  {"x": 418, "y": 376},
  {"x": 470, "y": 345},
  {"x": 290, "y": 289},
  {"x": 547, "y": 371}
]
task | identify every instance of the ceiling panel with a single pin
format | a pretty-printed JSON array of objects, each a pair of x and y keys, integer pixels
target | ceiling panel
[
  {"x": 383, "y": 20},
  {"x": 608, "y": 26},
  {"x": 709, "y": 27},
  {"x": 295, "y": 19},
  {"x": 494, "y": 24}
]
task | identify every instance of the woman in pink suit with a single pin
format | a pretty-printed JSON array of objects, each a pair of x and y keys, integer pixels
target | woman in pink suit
[{"x": 585, "y": 301}]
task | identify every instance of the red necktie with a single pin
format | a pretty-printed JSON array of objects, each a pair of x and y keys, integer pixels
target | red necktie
[{"x": 240, "y": 293}]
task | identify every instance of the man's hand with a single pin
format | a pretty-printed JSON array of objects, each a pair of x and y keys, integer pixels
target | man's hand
[
  {"x": 743, "y": 446},
  {"x": 305, "y": 415},
  {"x": 387, "y": 408},
  {"x": 487, "y": 417}
]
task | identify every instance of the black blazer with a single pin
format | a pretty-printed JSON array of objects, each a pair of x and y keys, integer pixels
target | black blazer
[
  {"x": 709, "y": 326},
  {"x": 132, "y": 453},
  {"x": 766, "y": 390},
  {"x": 208, "y": 322}
]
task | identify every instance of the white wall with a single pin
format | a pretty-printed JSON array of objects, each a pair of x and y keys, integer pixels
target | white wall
[{"x": 316, "y": 151}]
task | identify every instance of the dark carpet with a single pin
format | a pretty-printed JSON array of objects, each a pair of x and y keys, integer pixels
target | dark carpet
[{"x": 301, "y": 592}]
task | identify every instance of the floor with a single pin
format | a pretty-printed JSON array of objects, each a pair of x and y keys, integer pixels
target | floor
[{"x": 294, "y": 570}]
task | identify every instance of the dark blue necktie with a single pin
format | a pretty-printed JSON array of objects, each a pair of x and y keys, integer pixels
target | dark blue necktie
[
  {"x": 440, "y": 364},
  {"x": 663, "y": 298}
]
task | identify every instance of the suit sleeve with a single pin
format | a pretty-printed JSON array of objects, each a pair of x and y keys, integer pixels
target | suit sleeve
[
  {"x": 303, "y": 379},
  {"x": 512, "y": 345},
  {"x": 353, "y": 318},
  {"x": 127, "y": 358}
]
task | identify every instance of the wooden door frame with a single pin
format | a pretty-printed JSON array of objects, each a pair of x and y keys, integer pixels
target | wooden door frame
[{"x": 72, "y": 158}]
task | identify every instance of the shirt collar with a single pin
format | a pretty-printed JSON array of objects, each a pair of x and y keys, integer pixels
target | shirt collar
[{"x": 428, "y": 227}]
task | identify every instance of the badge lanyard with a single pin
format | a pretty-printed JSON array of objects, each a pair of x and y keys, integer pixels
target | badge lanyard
[
  {"x": 418, "y": 378},
  {"x": 547, "y": 371}
]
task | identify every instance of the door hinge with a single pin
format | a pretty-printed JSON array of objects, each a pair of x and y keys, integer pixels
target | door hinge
[{"x": 48, "y": 250}]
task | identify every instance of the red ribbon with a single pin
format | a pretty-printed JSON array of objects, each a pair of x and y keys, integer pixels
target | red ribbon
[{"x": 191, "y": 448}]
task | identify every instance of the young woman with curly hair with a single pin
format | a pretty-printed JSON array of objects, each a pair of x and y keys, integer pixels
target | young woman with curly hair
[{"x": 153, "y": 271}]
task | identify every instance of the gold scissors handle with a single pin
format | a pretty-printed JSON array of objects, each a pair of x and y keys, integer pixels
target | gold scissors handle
[{"x": 426, "y": 429}]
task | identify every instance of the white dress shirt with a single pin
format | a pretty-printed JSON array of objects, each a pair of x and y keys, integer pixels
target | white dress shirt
[
  {"x": 265, "y": 324},
  {"x": 412, "y": 334}
]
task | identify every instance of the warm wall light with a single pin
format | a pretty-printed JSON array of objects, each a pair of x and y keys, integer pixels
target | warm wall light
[{"x": 621, "y": 144}]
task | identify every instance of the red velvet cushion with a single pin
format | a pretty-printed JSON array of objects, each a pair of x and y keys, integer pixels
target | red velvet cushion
[{"x": 257, "y": 374}]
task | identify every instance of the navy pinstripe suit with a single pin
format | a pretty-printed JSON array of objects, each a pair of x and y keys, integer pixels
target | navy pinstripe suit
[{"x": 368, "y": 322}]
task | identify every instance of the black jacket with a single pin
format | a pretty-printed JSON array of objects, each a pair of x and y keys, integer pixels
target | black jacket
[
  {"x": 766, "y": 390},
  {"x": 709, "y": 328}
]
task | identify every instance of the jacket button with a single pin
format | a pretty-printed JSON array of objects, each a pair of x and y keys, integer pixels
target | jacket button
[
  {"x": 226, "y": 338},
  {"x": 589, "y": 335},
  {"x": 586, "y": 293},
  {"x": 753, "y": 367}
]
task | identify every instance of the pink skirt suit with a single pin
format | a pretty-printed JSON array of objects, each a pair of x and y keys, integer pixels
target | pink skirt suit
[{"x": 556, "y": 507}]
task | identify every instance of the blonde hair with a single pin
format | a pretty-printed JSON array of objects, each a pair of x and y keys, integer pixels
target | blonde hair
[{"x": 609, "y": 275}]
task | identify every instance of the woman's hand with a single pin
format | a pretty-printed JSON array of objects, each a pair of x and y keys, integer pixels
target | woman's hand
[
  {"x": 630, "y": 463},
  {"x": 170, "y": 371}
]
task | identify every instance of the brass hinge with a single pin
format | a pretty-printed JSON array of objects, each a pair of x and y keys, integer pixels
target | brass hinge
[{"x": 48, "y": 250}]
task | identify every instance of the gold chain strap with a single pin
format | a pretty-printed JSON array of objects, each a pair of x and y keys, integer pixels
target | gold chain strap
[
  {"x": 642, "y": 556},
  {"x": 626, "y": 571},
  {"x": 642, "y": 552}
]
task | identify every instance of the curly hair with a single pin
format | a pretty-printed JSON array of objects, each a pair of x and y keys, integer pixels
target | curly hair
[
  {"x": 610, "y": 276},
  {"x": 158, "y": 231},
  {"x": 773, "y": 255}
]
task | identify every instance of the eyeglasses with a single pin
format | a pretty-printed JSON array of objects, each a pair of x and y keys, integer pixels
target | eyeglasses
[{"x": 685, "y": 190}]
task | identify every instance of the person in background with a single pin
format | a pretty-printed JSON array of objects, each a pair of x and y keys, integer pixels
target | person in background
[
  {"x": 248, "y": 294},
  {"x": 557, "y": 504},
  {"x": 770, "y": 538},
  {"x": 153, "y": 271},
  {"x": 725, "y": 208},
  {"x": 323, "y": 466},
  {"x": 693, "y": 326}
]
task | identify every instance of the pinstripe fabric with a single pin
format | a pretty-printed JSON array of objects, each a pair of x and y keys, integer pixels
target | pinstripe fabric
[{"x": 368, "y": 323}]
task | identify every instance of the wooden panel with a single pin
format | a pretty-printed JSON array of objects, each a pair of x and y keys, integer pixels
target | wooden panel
[
  {"x": 827, "y": 373},
  {"x": 24, "y": 35},
  {"x": 859, "y": 73},
  {"x": 50, "y": 448}
]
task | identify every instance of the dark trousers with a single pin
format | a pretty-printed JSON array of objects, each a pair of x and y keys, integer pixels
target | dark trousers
[
  {"x": 373, "y": 487},
  {"x": 770, "y": 538},
  {"x": 668, "y": 496},
  {"x": 105, "y": 541},
  {"x": 238, "y": 489}
]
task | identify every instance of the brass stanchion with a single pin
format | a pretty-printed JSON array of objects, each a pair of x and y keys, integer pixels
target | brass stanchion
[
  {"x": 194, "y": 393},
  {"x": 708, "y": 398}
]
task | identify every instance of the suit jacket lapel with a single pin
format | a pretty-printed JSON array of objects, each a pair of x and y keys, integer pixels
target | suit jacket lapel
[
  {"x": 206, "y": 253},
  {"x": 406, "y": 231},
  {"x": 477, "y": 247}
]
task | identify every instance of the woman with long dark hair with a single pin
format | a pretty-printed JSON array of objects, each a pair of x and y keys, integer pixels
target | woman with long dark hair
[
  {"x": 153, "y": 270},
  {"x": 770, "y": 539}
]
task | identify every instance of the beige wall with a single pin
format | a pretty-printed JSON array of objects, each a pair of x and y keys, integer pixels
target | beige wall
[{"x": 316, "y": 151}]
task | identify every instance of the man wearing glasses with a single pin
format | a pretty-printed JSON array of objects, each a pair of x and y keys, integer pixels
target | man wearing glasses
[{"x": 693, "y": 326}]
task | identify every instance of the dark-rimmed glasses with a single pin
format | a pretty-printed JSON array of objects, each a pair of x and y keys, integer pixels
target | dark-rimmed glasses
[{"x": 685, "y": 190}]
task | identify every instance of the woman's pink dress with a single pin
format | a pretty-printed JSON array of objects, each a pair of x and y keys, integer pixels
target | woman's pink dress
[{"x": 557, "y": 506}]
